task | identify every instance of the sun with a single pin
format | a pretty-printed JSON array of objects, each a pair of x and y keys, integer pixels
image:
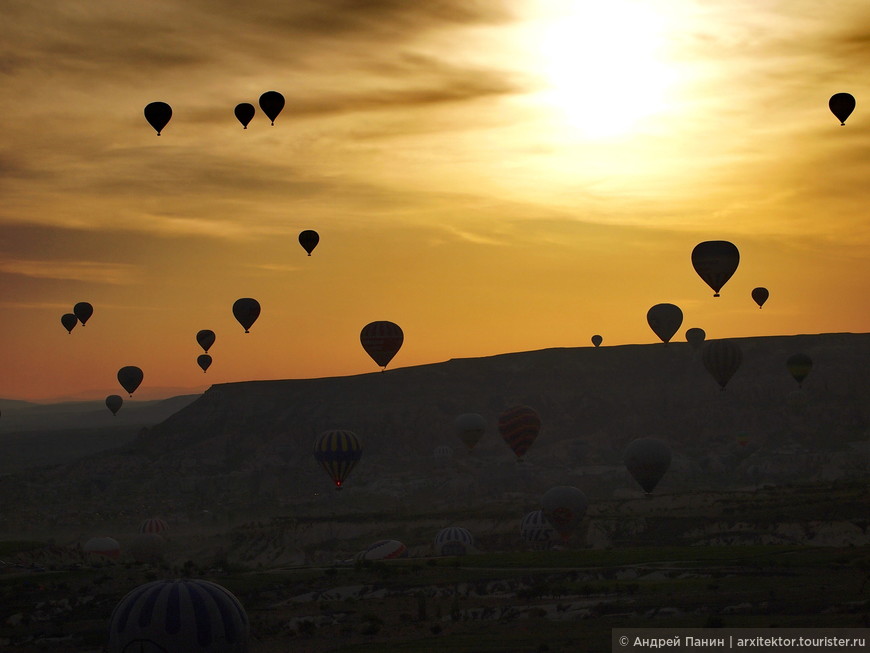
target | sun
[{"x": 603, "y": 66}]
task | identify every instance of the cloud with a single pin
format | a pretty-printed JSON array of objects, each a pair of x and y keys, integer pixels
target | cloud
[{"x": 88, "y": 271}]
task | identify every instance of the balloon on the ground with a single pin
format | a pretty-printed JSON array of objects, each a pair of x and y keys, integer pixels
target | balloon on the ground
[
  {"x": 205, "y": 338},
  {"x": 564, "y": 507},
  {"x": 338, "y": 451},
  {"x": 114, "y": 403},
  {"x": 130, "y": 377},
  {"x": 664, "y": 320},
  {"x": 244, "y": 113},
  {"x": 715, "y": 261},
  {"x": 272, "y": 102},
  {"x": 383, "y": 550},
  {"x": 799, "y": 366},
  {"x": 519, "y": 426},
  {"x": 453, "y": 541},
  {"x": 246, "y": 310},
  {"x": 158, "y": 114},
  {"x": 470, "y": 427},
  {"x": 83, "y": 311},
  {"x": 103, "y": 546},
  {"x": 597, "y": 340},
  {"x": 204, "y": 362},
  {"x": 722, "y": 359},
  {"x": 309, "y": 239},
  {"x": 695, "y": 337},
  {"x": 760, "y": 295},
  {"x": 153, "y": 525},
  {"x": 536, "y": 530},
  {"x": 189, "y": 615},
  {"x": 69, "y": 321},
  {"x": 382, "y": 341},
  {"x": 842, "y": 105},
  {"x": 647, "y": 460}
]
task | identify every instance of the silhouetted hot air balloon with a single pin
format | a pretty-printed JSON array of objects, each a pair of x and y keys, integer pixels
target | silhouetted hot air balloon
[
  {"x": 83, "y": 311},
  {"x": 453, "y": 541},
  {"x": 190, "y": 615},
  {"x": 244, "y": 113},
  {"x": 722, "y": 359},
  {"x": 715, "y": 261},
  {"x": 158, "y": 114},
  {"x": 114, "y": 403},
  {"x": 842, "y": 105},
  {"x": 647, "y": 460},
  {"x": 309, "y": 239},
  {"x": 205, "y": 339},
  {"x": 338, "y": 452},
  {"x": 130, "y": 377},
  {"x": 153, "y": 525},
  {"x": 760, "y": 295},
  {"x": 695, "y": 337},
  {"x": 69, "y": 321},
  {"x": 204, "y": 361},
  {"x": 381, "y": 340},
  {"x": 271, "y": 102},
  {"x": 564, "y": 507},
  {"x": 519, "y": 426},
  {"x": 664, "y": 320},
  {"x": 799, "y": 366},
  {"x": 470, "y": 428},
  {"x": 246, "y": 311},
  {"x": 597, "y": 340}
]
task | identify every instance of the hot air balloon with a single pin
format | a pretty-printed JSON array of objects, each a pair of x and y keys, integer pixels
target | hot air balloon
[
  {"x": 381, "y": 341},
  {"x": 536, "y": 530},
  {"x": 383, "y": 550},
  {"x": 722, "y": 358},
  {"x": 695, "y": 337},
  {"x": 842, "y": 105},
  {"x": 519, "y": 426},
  {"x": 470, "y": 428},
  {"x": 442, "y": 453},
  {"x": 647, "y": 460},
  {"x": 158, "y": 114},
  {"x": 664, "y": 320},
  {"x": 153, "y": 525},
  {"x": 597, "y": 340},
  {"x": 244, "y": 113},
  {"x": 454, "y": 541},
  {"x": 246, "y": 311},
  {"x": 190, "y": 615},
  {"x": 130, "y": 377},
  {"x": 83, "y": 311},
  {"x": 271, "y": 102},
  {"x": 338, "y": 452},
  {"x": 69, "y": 321},
  {"x": 204, "y": 361},
  {"x": 799, "y": 366},
  {"x": 564, "y": 507},
  {"x": 309, "y": 239},
  {"x": 103, "y": 546},
  {"x": 715, "y": 261},
  {"x": 205, "y": 338},
  {"x": 760, "y": 295},
  {"x": 114, "y": 402}
]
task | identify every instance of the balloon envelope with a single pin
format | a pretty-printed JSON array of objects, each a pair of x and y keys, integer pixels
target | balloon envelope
[
  {"x": 69, "y": 320},
  {"x": 664, "y": 320},
  {"x": 597, "y": 340},
  {"x": 309, "y": 239},
  {"x": 244, "y": 113},
  {"x": 104, "y": 546},
  {"x": 564, "y": 507},
  {"x": 695, "y": 337},
  {"x": 158, "y": 114},
  {"x": 83, "y": 311},
  {"x": 536, "y": 530},
  {"x": 153, "y": 525},
  {"x": 519, "y": 426},
  {"x": 337, "y": 451},
  {"x": 246, "y": 311},
  {"x": 205, "y": 338},
  {"x": 453, "y": 541},
  {"x": 842, "y": 105},
  {"x": 381, "y": 340},
  {"x": 760, "y": 295},
  {"x": 130, "y": 377},
  {"x": 470, "y": 427},
  {"x": 114, "y": 402},
  {"x": 715, "y": 261},
  {"x": 647, "y": 460},
  {"x": 271, "y": 102},
  {"x": 383, "y": 550},
  {"x": 799, "y": 366},
  {"x": 204, "y": 361},
  {"x": 722, "y": 359}
]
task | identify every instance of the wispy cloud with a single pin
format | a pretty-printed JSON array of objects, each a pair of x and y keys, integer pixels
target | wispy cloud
[{"x": 88, "y": 271}]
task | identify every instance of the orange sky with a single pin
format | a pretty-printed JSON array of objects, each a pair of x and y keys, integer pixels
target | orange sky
[{"x": 492, "y": 177}]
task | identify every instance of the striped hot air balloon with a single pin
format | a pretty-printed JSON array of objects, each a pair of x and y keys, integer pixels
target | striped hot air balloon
[
  {"x": 103, "y": 546},
  {"x": 153, "y": 525},
  {"x": 442, "y": 452},
  {"x": 454, "y": 541},
  {"x": 536, "y": 530},
  {"x": 338, "y": 452},
  {"x": 383, "y": 550},
  {"x": 190, "y": 615},
  {"x": 519, "y": 426},
  {"x": 382, "y": 340}
]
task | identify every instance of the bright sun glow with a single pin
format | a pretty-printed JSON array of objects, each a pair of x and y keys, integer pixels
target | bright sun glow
[{"x": 602, "y": 62}]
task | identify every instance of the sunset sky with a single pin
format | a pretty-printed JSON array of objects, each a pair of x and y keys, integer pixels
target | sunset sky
[{"x": 491, "y": 176}]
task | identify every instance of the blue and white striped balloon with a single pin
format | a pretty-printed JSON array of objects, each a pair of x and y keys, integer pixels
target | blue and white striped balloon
[
  {"x": 454, "y": 541},
  {"x": 536, "y": 530}
]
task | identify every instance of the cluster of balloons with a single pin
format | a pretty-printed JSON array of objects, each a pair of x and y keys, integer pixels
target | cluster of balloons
[
  {"x": 81, "y": 313},
  {"x": 158, "y": 114}
]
